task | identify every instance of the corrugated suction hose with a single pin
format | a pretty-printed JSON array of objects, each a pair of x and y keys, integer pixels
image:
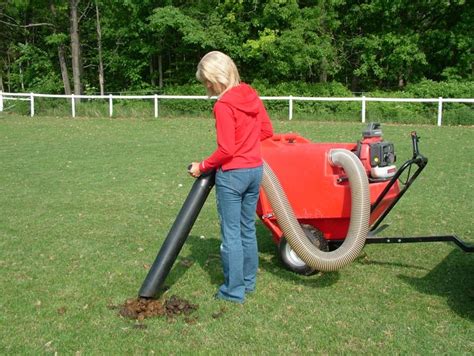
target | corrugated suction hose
[{"x": 359, "y": 221}]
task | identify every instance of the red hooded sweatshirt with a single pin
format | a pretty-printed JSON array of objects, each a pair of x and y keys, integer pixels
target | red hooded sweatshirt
[{"x": 241, "y": 123}]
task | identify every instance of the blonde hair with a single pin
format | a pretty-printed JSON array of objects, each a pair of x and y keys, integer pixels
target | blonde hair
[{"x": 219, "y": 70}]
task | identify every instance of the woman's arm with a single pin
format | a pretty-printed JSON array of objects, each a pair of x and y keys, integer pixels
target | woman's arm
[
  {"x": 266, "y": 130},
  {"x": 225, "y": 130}
]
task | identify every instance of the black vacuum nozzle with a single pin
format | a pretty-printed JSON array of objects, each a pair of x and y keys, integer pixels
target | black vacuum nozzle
[{"x": 177, "y": 235}]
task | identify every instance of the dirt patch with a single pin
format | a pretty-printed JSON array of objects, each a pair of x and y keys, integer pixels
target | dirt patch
[
  {"x": 141, "y": 308},
  {"x": 176, "y": 306}
]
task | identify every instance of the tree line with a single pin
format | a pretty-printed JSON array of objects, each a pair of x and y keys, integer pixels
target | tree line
[{"x": 103, "y": 46}]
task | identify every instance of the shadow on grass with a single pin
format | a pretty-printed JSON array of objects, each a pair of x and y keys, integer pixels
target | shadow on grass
[
  {"x": 453, "y": 279},
  {"x": 205, "y": 252},
  {"x": 363, "y": 261},
  {"x": 270, "y": 262}
]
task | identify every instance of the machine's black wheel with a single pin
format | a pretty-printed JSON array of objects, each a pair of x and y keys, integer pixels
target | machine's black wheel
[{"x": 289, "y": 257}]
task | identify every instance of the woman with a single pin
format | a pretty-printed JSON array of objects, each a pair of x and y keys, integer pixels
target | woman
[{"x": 241, "y": 123}]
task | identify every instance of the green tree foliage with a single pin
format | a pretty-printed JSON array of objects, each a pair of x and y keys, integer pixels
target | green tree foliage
[
  {"x": 294, "y": 43},
  {"x": 392, "y": 43},
  {"x": 149, "y": 45}
]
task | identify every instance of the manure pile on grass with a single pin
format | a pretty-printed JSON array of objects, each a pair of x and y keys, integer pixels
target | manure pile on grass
[{"x": 141, "y": 308}]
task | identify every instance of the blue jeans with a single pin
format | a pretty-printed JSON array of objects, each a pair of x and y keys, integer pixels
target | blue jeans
[{"x": 237, "y": 193}]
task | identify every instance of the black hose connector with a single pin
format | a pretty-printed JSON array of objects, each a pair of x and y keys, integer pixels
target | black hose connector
[{"x": 177, "y": 235}]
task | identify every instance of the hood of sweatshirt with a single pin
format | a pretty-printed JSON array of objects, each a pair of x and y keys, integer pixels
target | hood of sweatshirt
[{"x": 242, "y": 97}]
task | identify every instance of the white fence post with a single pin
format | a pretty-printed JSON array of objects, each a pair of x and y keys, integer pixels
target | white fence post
[
  {"x": 73, "y": 106},
  {"x": 291, "y": 99},
  {"x": 440, "y": 110},
  {"x": 363, "y": 109},
  {"x": 111, "y": 109},
  {"x": 32, "y": 105},
  {"x": 290, "y": 108}
]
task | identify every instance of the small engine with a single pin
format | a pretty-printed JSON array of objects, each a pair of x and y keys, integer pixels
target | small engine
[{"x": 377, "y": 155}]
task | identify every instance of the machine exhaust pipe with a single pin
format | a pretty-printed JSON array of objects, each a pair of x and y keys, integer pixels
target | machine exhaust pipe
[
  {"x": 359, "y": 222},
  {"x": 177, "y": 235}
]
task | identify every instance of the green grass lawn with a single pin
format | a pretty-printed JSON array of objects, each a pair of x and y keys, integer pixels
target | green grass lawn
[{"x": 86, "y": 203}]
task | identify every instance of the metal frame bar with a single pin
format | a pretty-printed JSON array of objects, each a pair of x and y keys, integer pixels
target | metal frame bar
[
  {"x": 468, "y": 248},
  {"x": 443, "y": 238},
  {"x": 417, "y": 159}
]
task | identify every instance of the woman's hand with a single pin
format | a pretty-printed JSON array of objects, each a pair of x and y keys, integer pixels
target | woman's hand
[{"x": 194, "y": 170}]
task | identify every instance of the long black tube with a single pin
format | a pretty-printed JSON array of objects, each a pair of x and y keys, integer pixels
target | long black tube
[{"x": 177, "y": 235}]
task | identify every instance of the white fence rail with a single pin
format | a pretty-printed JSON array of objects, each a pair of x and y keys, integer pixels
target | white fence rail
[{"x": 156, "y": 98}]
